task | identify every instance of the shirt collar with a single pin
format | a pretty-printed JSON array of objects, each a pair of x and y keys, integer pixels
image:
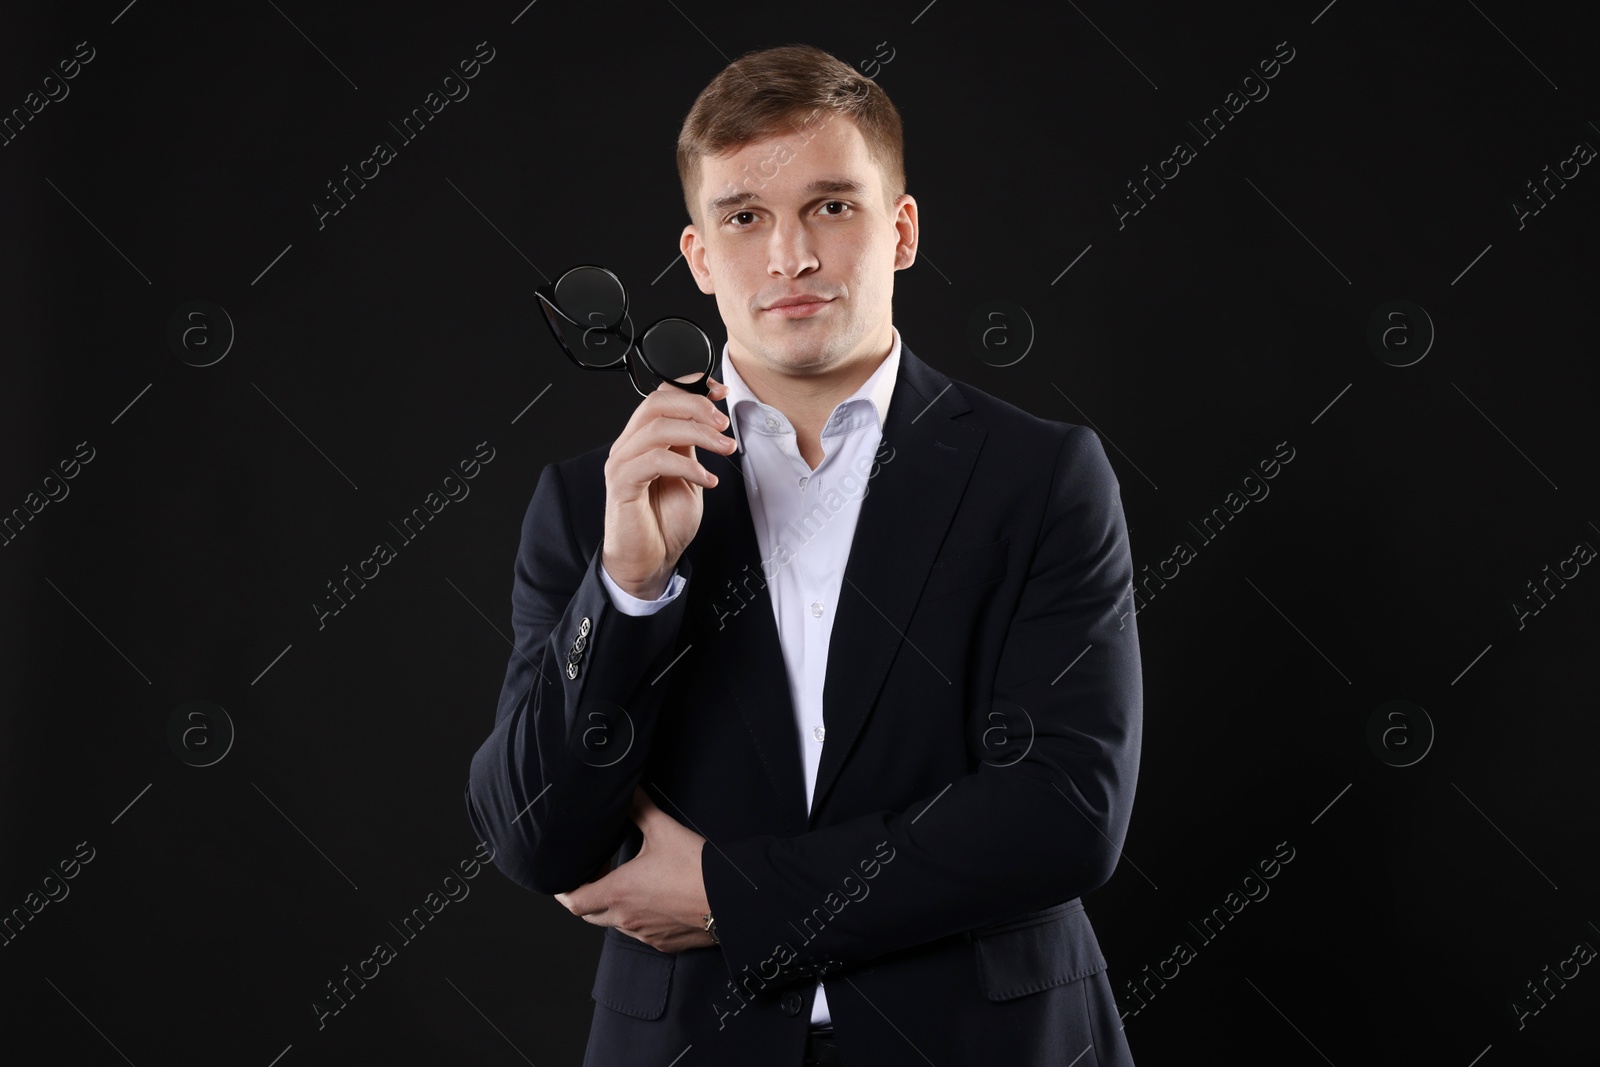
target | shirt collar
[{"x": 873, "y": 394}]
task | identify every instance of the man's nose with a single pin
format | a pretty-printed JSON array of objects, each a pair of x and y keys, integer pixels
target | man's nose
[{"x": 790, "y": 252}]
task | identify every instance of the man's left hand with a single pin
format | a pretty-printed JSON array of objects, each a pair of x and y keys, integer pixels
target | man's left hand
[{"x": 657, "y": 897}]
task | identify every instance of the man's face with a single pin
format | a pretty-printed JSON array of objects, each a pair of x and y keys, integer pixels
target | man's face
[{"x": 801, "y": 212}]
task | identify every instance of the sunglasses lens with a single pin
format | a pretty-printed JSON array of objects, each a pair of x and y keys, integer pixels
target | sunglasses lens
[
  {"x": 592, "y": 296},
  {"x": 676, "y": 349}
]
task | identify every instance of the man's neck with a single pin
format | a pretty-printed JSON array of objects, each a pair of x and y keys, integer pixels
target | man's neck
[{"x": 807, "y": 400}]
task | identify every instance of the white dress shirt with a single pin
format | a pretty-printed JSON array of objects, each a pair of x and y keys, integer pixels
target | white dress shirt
[{"x": 805, "y": 521}]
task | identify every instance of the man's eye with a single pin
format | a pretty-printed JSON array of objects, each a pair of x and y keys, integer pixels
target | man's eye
[{"x": 736, "y": 216}]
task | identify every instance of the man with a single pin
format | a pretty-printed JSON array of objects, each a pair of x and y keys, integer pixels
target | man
[{"x": 839, "y": 662}]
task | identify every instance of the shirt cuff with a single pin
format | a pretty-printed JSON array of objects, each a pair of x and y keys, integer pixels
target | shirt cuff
[{"x": 629, "y": 604}]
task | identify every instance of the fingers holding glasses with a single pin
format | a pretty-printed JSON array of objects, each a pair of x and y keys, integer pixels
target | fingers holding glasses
[
  {"x": 668, "y": 401},
  {"x": 654, "y": 481}
]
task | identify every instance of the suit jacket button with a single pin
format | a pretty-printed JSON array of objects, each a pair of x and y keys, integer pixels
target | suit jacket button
[{"x": 792, "y": 1003}]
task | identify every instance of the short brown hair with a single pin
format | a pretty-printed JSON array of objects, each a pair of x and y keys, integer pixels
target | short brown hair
[{"x": 765, "y": 93}]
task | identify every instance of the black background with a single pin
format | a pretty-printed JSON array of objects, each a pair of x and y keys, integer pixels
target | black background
[{"x": 374, "y": 353}]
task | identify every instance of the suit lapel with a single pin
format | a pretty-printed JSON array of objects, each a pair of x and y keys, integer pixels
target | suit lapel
[
  {"x": 740, "y": 629},
  {"x": 904, "y": 516}
]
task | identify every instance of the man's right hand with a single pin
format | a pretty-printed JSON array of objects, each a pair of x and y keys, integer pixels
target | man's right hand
[{"x": 654, "y": 482}]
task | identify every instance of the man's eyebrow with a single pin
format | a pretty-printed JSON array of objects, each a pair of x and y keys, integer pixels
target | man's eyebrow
[{"x": 821, "y": 185}]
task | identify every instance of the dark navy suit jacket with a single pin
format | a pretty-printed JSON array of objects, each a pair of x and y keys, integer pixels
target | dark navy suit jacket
[{"x": 983, "y": 707}]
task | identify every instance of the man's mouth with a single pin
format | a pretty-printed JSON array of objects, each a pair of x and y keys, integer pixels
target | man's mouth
[{"x": 798, "y": 311}]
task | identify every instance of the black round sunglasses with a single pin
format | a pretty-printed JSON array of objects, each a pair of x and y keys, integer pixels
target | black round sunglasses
[{"x": 587, "y": 310}]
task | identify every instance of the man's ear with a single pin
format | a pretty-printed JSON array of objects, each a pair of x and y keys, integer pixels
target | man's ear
[
  {"x": 694, "y": 253},
  {"x": 907, "y": 231}
]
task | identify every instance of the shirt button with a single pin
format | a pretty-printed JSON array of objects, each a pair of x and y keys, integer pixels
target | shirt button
[
  {"x": 772, "y": 423},
  {"x": 818, "y": 733},
  {"x": 816, "y": 609},
  {"x": 803, "y": 482}
]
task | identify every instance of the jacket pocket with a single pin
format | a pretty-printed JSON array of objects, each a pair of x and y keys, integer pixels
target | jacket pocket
[
  {"x": 633, "y": 978},
  {"x": 967, "y": 567},
  {"x": 1036, "y": 951}
]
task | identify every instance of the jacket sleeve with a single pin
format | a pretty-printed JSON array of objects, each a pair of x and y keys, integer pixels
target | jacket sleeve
[
  {"x": 551, "y": 787},
  {"x": 1014, "y": 835}
]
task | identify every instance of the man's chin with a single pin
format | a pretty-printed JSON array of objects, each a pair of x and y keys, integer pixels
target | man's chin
[{"x": 798, "y": 354}]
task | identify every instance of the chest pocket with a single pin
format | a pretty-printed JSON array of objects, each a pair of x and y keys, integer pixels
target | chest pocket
[{"x": 966, "y": 568}]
